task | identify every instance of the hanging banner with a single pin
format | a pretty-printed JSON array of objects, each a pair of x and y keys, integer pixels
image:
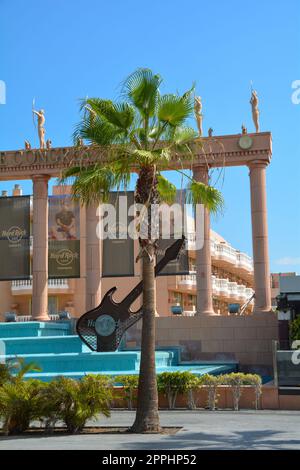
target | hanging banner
[
  {"x": 177, "y": 216},
  {"x": 64, "y": 237},
  {"x": 14, "y": 238},
  {"x": 118, "y": 247}
]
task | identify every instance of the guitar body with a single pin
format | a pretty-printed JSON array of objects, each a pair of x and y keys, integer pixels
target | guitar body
[{"x": 102, "y": 328}]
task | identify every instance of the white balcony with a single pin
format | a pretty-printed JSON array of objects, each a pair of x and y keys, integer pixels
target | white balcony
[
  {"x": 244, "y": 261},
  {"x": 233, "y": 289},
  {"x": 224, "y": 253},
  {"x": 25, "y": 286},
  {"x": 188, "y": 280},
  {"x": 220, "y": 287}
]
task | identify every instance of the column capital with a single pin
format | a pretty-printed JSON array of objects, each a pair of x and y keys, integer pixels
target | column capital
[
  {"x": 37, "y": 178},
  {"x": 258, "y": 164}
]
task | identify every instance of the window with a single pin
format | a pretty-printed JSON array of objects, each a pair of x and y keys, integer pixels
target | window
[{"x": 52, "y": 305}]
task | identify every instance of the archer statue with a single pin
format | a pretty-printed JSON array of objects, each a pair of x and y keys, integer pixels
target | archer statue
[
  {"x": 255, "y": 110},
  {"x": 41, "y": 129}
]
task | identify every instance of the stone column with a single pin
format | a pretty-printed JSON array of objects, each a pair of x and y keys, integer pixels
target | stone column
[
  {"x": 262, "y": 286},
  {"x": 93, "y": 259},
  {"x": 203, "y": 257},
  {"x": 40, "y": 248}
]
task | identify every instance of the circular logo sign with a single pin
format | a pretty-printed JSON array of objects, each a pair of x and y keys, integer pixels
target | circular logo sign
[
  {"x": 15, "y": 234},
  {"x": 105, "y": 325},
  {"x": 64, "y": 257}
]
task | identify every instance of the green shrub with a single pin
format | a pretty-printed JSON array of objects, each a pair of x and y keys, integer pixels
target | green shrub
[
  {"x": 130, "y": 385},
  {"x": 192, "y": 387},
  {"x": 172, "y": 383},
  {"x": 20, "y": 403},
  {"x": 76, "y": 401},
  {"x": 255, "y": 381},
  {"x": 211, "y": 382},
  {"x": 235, "y": 380}
]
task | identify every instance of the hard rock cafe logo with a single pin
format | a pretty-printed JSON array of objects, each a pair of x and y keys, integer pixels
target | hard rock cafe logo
[
  {"x": 64, "y": 257},
  {"x": 14, "y": 234}
]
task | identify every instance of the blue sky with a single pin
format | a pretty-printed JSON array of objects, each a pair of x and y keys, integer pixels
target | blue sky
[{"x": 60, "y": 50}]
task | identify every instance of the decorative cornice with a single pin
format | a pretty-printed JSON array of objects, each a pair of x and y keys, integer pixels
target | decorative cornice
[{"x": 214, "y": 152}]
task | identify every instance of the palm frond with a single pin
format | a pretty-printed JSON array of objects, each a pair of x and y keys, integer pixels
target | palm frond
[
  {"x": 93, "y": 184},
  {"x": 70, "y": 173},
  {"x": 166, "y": 189},
  {"x": 121, "y": 115},
  {"x": 141, "y": 88},
  {"x": 174, "y": 109},
  {"x": 183, "y": 136},
  {"x": 210, "y": 197}
]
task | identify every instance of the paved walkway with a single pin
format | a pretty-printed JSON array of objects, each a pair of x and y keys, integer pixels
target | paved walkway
[{"x": 201, "y": 430}]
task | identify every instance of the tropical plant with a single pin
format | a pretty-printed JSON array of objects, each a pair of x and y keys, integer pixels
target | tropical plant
[
  {"x": 141, "y": 133},
  {"x": 14, "y": 370},
  {"x": 130, "y": 385},
  {"x": 19, "y": 368},
  {"x": 20, "y": 403},
  {"x": 76, "y": 401}
]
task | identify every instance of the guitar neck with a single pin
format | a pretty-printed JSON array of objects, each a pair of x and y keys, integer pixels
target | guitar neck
[{"x": 138, "y": 289}]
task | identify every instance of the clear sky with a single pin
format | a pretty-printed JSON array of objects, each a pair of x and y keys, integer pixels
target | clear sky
[{"x": 57, "y": 51}]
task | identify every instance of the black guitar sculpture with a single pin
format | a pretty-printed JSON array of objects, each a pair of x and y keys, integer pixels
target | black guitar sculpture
[{"x": 102, "y": 328}]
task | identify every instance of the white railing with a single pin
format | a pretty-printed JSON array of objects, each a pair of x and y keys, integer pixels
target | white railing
[
  {"x": 221, "y": 287},
  {"x": 27, "y": 284},
  {"x": 188, "y": 279},
  {"x": 25, "y": 318},
  {"x": 22, "y": 318},
  {"x": 189, "y": 313}
]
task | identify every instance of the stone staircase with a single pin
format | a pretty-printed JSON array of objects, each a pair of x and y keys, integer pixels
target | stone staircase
[{"x": 57, "y": 351}]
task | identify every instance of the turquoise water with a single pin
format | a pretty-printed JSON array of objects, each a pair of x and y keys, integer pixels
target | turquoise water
[{"x": 58, "y": 352}]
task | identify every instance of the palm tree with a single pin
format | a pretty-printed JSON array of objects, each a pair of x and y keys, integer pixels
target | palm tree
[{"x": 140, "y": 132}]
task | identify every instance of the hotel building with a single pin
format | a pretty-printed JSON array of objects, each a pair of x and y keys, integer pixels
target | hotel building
[{"x": 232, "y": 280}]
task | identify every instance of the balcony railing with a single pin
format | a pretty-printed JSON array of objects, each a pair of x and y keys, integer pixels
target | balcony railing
[
  {"x": 26, "y": 318},
  {"x": 221, "y": 287},
  {"x": 27, "y": 284}
]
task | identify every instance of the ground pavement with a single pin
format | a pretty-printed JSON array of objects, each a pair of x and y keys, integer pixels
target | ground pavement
[{"x": 200, "y": 430}]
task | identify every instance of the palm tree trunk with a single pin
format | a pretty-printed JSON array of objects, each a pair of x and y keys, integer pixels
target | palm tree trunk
[{"x": 147, "y": 416}]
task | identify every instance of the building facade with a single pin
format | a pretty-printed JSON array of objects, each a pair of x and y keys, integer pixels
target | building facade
[{"x": 232, "y": 280}]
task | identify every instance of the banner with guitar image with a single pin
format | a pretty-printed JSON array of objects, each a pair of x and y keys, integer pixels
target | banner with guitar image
[{"x": 64, "y": 237}]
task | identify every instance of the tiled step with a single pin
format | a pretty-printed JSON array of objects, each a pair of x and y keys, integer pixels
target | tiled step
[
  {"x": 43, "y": 344},
  {"x": 34, "y": 329},
  {"x": 115, "y": 362}
]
